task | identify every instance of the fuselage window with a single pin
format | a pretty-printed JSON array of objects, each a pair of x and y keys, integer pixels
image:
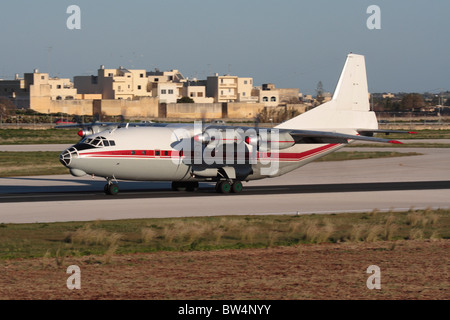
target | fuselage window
[
  {"x": 133, "y": 152},
  {"x": 112, "y": 143},
  {"x": 157, "y": 153},
  {"x": 144, "y": 152},
  {"x": 166, "y": 153}
]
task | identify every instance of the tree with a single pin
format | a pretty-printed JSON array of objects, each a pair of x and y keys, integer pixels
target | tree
[
  {"x": 185, "y": 100},
  {"x": 6, "y": 107},
  {"x": 412, "y": 101},
  {"x": 319, "y": 93}
]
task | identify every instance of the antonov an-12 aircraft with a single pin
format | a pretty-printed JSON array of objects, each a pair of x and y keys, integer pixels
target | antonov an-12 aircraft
[{"x": 227, "y": 155}]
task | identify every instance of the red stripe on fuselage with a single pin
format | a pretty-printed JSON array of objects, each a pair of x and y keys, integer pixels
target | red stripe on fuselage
[{"x": 167, "y": 154}]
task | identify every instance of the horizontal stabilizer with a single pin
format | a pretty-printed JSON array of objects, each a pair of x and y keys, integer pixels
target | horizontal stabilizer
[
  {"x": 309, "y": 136},
  {"x": 370, "y": 132}
]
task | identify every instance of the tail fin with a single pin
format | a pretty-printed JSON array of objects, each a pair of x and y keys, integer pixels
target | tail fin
[{"x": 348, "y": 109}]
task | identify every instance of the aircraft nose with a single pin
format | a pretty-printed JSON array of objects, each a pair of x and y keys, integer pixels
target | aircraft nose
[{"x": 67, "y": 155}]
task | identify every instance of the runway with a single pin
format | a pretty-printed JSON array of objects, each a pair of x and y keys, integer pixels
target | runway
[{"x": 321, "y": 187}]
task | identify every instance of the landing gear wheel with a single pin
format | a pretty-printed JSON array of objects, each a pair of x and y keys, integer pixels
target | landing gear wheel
[
  {"x": 236, "y": 187},
  {"x": 223, "y": 187},
  {"x": 184, "y": 185},
  {"x": 112, "y": 189},
  {"x": 178, "y": 186},
  {"x": 192, "y": 186}
]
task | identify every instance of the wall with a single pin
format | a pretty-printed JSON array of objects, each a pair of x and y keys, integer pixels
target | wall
[
  {"x": 46, "y": 105},
  {"x": 146, "y": 107},
  {"x": 243, "y": 110},
  {"x": 194, "y": 110}
]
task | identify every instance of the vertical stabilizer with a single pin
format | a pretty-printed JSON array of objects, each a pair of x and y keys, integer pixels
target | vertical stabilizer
[
  {"x": 348, "y": 109},
  {"x": 351, "y": 91}
]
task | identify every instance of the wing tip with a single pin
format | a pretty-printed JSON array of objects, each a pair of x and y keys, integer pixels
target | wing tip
[{"x": 395, "y": 142}]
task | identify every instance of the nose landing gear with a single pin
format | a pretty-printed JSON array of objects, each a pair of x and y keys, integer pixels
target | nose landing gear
[{"x": 110, "y": 188}]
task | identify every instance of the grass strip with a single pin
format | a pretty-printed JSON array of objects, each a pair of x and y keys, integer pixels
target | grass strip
[
  {"x": 45, "y": 136},
  {"x": 211, "y": 233}
]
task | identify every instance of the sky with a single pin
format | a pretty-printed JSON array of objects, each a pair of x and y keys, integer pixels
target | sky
[{"x": 291, "y": 43}]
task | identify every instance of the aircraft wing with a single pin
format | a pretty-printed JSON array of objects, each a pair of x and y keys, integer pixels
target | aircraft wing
[
  {"x": 96, "y": 127},
  {"x": 314, "y": 136}
]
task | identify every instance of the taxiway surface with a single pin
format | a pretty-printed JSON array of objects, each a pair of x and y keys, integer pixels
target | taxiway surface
[{"x": 321, "y": 187}]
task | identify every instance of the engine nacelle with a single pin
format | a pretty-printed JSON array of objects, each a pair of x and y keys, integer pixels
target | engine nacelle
[
  {"x": 85, "y": 132},
  {"x": 203, "y": 138},
  {"x": 265, "y": 141}
]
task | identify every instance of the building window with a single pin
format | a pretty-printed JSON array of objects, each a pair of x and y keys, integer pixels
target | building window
[
  {"x": 141, "y": 75},
  {"x": 243, "y": 94},
  {"x": 273, "y": 99},
  {"x": 163, "y": 91},
  {"x": 170, "y": 91},
  {"x": 139, "y": 87},
  {"x": 42, "y": 77},
  {"x": 58, "y": 86},
  {"x": 245, "y": 81},
  {"x": 110, "y": 74},
  {"x": 265, "y": 99},
  {"x": 192, "y": 94},
  {"x": 199, "y": 94}
]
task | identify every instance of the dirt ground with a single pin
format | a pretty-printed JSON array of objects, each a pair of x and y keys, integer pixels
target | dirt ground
[{"x": 416, "y": 269}]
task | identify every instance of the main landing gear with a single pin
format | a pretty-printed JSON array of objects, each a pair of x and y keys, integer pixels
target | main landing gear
[
  {"x": 223, "y": 186},
  {"x": 226, "y": 186},
  {"x": 184, "y": 185}
]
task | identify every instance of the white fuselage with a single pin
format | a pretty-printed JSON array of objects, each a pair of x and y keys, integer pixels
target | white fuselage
[{"x": 153, "y": 154}]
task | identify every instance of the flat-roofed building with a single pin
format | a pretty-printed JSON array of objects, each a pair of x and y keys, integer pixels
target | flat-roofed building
[
  {"x": 196, "y": 90},
  {"x": 115, "y": 84},
  {"x": 229, "y": 88},
  {"x": 36, "y": 86}
]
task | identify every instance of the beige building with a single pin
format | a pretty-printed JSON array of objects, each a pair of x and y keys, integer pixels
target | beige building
[
  {"x": 35, "y": 89},
  {"x": 115, "y": 84},
  {"x": 138, "y": 93},
  {"x": 128, "y": 84},
  {"x": 271, "y": 96},
  {"x": 229, "y": 89},
  {"x": 196, "y": 90},
  {"x": 168, "y": 92}
]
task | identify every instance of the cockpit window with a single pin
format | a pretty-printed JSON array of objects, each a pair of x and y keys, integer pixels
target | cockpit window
[{"x": 98, "y": 142}]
